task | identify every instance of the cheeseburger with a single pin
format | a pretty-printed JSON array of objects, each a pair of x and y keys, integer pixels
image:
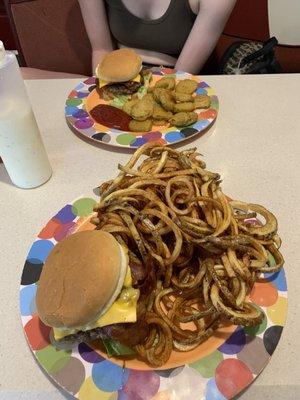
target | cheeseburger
[
  {"x": 120, "y": 73},
  {"x": 85, "y": 292}
]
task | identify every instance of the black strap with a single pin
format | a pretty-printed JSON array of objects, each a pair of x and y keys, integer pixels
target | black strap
[{"x": 266, "y": 50}]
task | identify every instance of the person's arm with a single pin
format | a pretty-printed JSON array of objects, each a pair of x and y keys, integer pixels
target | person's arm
[
  {"x": 208, "y": 26},
  {"x": 96, "y": 25}
]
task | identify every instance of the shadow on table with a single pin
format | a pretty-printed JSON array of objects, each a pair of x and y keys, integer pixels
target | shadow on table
[
  {"x": 210, "y": 129},
  {"x": 4, "y": 178}
]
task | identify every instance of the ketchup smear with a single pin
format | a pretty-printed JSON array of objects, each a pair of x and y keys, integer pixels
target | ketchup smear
[{"x": 111, "y": 116}]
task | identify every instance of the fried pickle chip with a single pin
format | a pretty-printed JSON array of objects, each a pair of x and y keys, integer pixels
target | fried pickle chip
[
  {"x": 166, "y": 83},
  {"x": 149, "y": 97},
  {"x": 140, "y": 126},
  {"x": 202, "y": 101},
  {"x": 182, "y": 97},
  {"x": 156, "y": 93},
  {"x": 160, "y": 113},
  {"x": 186, "y": 86},
  {"x": 142, "y": 110},
  {"x": 127, "y": 107},
  {"x": 166, "y": 99},
  {"x": 184, "y": 118},
  {"x": 160, "y": 122},
  {"x": 186, "y": 106}
]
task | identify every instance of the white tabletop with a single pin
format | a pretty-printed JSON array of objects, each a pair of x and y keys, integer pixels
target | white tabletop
[{"x": 255, "y": 145}]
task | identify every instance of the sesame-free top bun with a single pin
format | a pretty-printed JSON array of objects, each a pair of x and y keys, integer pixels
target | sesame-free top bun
[
  {"x": 79, "y": 278},
  {"x": 119, "y": 66}
]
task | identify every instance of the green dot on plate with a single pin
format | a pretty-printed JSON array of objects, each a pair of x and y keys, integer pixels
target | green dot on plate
[
  {"x": 125, "y": 139},
  {"x": 257, "y": 329},
  {"x": 83, "y": 207},
  {"x": 271, "y": 259},
  {"x": 207, "y": 365},
  {"x": 73, "y": 102},
  {"x": 53, "y": 359}
]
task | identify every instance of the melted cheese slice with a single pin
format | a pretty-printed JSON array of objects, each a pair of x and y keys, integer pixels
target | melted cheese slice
[
  {"x": 124, "y": 309},
  {"x": 136, "y": 79}
]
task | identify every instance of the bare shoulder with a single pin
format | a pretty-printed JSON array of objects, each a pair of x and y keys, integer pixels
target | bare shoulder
[
  {"x": 215, "y": 4},
  {"x": 195, "y": 5}
]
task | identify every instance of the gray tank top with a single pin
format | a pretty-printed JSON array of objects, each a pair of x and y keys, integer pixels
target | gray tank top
[{"x": 166, "y": 34}]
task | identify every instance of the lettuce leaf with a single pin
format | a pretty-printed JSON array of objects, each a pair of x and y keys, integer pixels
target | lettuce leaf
[
  {"x": 120, "y": 100},
  {"x": 114, "y": 348}
]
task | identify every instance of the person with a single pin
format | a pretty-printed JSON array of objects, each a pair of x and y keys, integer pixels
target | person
[{"x": 173, "y": 33}]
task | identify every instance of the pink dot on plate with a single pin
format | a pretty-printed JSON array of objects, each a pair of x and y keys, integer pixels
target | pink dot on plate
[
  {"x": 64, "y": 230},
  {"x": 141, "y": 385},
  {"x": 84, "y": 123},
  {"x": 152, "y": 136},
  {"x": 232, "y": 376}
]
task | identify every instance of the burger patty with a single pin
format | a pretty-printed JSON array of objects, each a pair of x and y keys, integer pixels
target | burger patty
[
  {"x": 109, "y": 91},
  {"x": 129, "y": 334},
  {"x": 129, "y": 87}
]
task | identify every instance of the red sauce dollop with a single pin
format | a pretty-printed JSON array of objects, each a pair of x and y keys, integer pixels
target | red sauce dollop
[{"x": 111, "y": 116}]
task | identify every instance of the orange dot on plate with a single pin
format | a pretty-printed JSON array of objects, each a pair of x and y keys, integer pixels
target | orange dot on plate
[
  {"x": 38, "y": 334},
  {"x": 162, "y": 142},
  {"x": 72, "y": 94},
  {"x": 48, "y": 231},
  {"x": 263, "y": 293},
  {"x": 100, "y": 128},
  {"x": 208, "y": 114},
  {"x": 168, "y": 70}
]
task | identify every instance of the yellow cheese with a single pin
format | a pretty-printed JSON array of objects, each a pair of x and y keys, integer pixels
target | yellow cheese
[
  {"x": 136, "y": 79},
  {"x": 123, "y": 310},
  {"x": 128, "y": 279}
]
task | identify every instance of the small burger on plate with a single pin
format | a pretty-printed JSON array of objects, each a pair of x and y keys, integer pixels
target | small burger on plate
[
  {"x": 120, "y": 72},
  {"x": 85, "y": 292}
]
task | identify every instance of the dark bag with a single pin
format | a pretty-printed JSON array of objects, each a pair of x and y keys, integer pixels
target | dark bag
[{"x": 250, "y": 58}]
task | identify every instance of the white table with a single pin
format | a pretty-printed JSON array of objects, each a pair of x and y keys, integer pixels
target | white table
[{"x": 255, "y": 145}]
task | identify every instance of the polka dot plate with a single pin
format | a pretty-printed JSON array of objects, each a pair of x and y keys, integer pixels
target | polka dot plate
[
  {"x": 218, "y": 369},
  {"x": 84, "y": 97}
]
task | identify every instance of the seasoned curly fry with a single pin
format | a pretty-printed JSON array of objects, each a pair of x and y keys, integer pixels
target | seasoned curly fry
[{"x": 201, "y": 251}]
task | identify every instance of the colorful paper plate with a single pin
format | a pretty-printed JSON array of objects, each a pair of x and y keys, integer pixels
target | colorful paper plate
[
  {"x": 84, "y": 97},
  {"x": 218, "y": 369}
]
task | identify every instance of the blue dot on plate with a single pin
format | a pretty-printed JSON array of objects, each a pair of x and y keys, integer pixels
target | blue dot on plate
[
  {"x": 212, "y": 392},
  {"x": 65, "y": 214},
  {"x": 138, "y": 142},
  {"x": 71, "y": 110},
  {"x": 174, "y": 136},
  {"x": 80, "y": 86},
  {"x": 201, "y": 124},
  {"x": 81, "y": 114},
  {"x": 235, "y": 343},
  {"x": 82, "y": 95},
  {"x": 109, "y": 377},
  {"x": 39, "y": 251},
  {"x": 201, "y": 91},
  {"x": 277, "y": 279},
  {"x": 27, "y": 300}
]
